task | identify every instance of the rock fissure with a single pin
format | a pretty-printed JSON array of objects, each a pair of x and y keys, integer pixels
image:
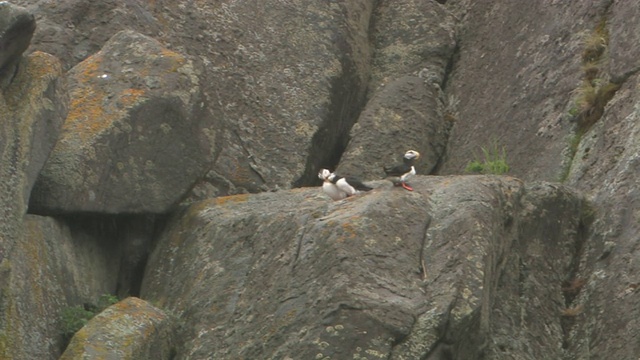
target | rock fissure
[
  {"x": 574, "y": 285},
  {"x": 270, "y": 92},
  {"x": 250, "y": 158},
  {"x": 331, "y": 138},
  {"x": 125, "y": 240},
  {"x": 421, "y": 260}
]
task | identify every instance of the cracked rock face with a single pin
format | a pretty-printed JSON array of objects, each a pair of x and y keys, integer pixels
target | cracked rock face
[
  {"x": 395, "y": 273},
  {"x": 245, "y": 96}
]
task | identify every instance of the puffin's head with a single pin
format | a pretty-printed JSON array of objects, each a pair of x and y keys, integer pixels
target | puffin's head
[
  {"x": 412, "y": 155},
  {"x": 323, "y": 174}
]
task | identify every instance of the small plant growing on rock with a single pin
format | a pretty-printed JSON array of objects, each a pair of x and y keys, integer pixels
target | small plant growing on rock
[
  {"x": 494, "y": 162},
  {"x": 594, "y": 92},
  {"x": 75, "y": 317}
]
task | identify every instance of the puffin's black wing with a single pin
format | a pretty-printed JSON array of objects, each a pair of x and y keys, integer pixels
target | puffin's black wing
[
  {"x": 357, "y": 184},
  {"x": 397, "y": 170}
]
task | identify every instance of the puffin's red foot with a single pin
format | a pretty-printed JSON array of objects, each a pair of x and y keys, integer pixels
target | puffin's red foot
[{"x": 404, "y": 185}]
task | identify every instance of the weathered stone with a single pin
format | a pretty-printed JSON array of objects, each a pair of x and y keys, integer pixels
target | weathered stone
[
  {"x": 514, "y": 83},
  {"x": 16, "y": 29},
  {"x": 288, "y": 112},
  {"x": 48, "y": 269},
  {"x": 32, "y": 109},
  {"x": 516, "y": 74},
  {"x": 606, "y": 166},
  {"x": 414, "y": 42},
  {"x": 412, "y": 37},
  {"x": 131, "y": 141},
  {"x": 404, "y": 115},
  {"x": 623, "y": 55},
  {"x": 129, "y": 330},
  {"x": 282, "y": 84},
  {"x": 368, "y": 276}
]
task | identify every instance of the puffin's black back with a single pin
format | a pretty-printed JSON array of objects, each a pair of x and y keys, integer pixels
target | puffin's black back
[{"x": 357, "y": 184}]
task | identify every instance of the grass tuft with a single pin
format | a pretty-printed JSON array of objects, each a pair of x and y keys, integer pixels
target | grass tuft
[{"x": 494, "y": 161}]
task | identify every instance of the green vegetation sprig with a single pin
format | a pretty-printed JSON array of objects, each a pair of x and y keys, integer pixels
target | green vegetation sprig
[
  {"x": 75, "y": 317},
  {"x": 494, "y": 162}
]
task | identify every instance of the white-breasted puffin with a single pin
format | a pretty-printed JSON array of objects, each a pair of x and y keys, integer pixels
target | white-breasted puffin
[
  {"x": 349, "y": 185},
  {"x": 329, "y": 187},
  {"x": 400, "y": 173}
]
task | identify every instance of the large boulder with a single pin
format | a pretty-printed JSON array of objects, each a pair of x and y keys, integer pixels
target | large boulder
[
  {"x": 51, "y": 267},
  {"x": 390, "y": 274},
  {"x": 282, "y": 84},
  {"x": 287, "y": 112},
  {"x": 32, "y": 107},
  {"x": 132, "y": 329},
  {"x": 131, "y": 141}
]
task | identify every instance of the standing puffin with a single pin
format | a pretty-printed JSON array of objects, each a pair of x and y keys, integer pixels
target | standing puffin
[
  {"x": 329, "y": 187},
  {"x": 349, "y": 185},
  {"x": 400, "y": 173}
]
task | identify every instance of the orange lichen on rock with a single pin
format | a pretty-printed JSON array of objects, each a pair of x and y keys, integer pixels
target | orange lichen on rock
[
  {"x": 86, "y": 108},
  {"x": 349, "y": 230},
  {"x": 89, "y": 70},
  {"x": 130, "y": 97},
  {"x": 44, "y": 65},
  {"x": 231, "y": 199},
  {"x": 176, "y": 59},
  {"x": 86, "y": 113},
  {"x": 91, "y": 109}
]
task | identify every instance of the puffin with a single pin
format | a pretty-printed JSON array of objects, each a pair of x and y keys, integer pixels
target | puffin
[
  {"x": 349, "y": 185},
  {"x": 329, "y": 187},
  {"x": 400, "y": 173}
]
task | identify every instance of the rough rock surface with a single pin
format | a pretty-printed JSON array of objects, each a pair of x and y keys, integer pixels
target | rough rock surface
[
  {"x": 50, "y": 268},
  {"x": 515, "y": 81},
  {"x": 606, "y": 166},
  {"x": 295, "y": 275},
  {"x": 282, "y": 83},
  {"x": 130, "y": 142},
  {"x": 405, "y": 115},
  {"x": 412, "y": 37},
  {"x": 522, "y": 77},
  {"x": 16, "y": 28},
  {"x": 414, "y": 43},
  {"x": 132, "y": 329},
  {"x": 33, "y": 107}
]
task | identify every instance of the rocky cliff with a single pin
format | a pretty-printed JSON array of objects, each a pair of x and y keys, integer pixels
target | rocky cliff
[{"x": 166, "y": 152}]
